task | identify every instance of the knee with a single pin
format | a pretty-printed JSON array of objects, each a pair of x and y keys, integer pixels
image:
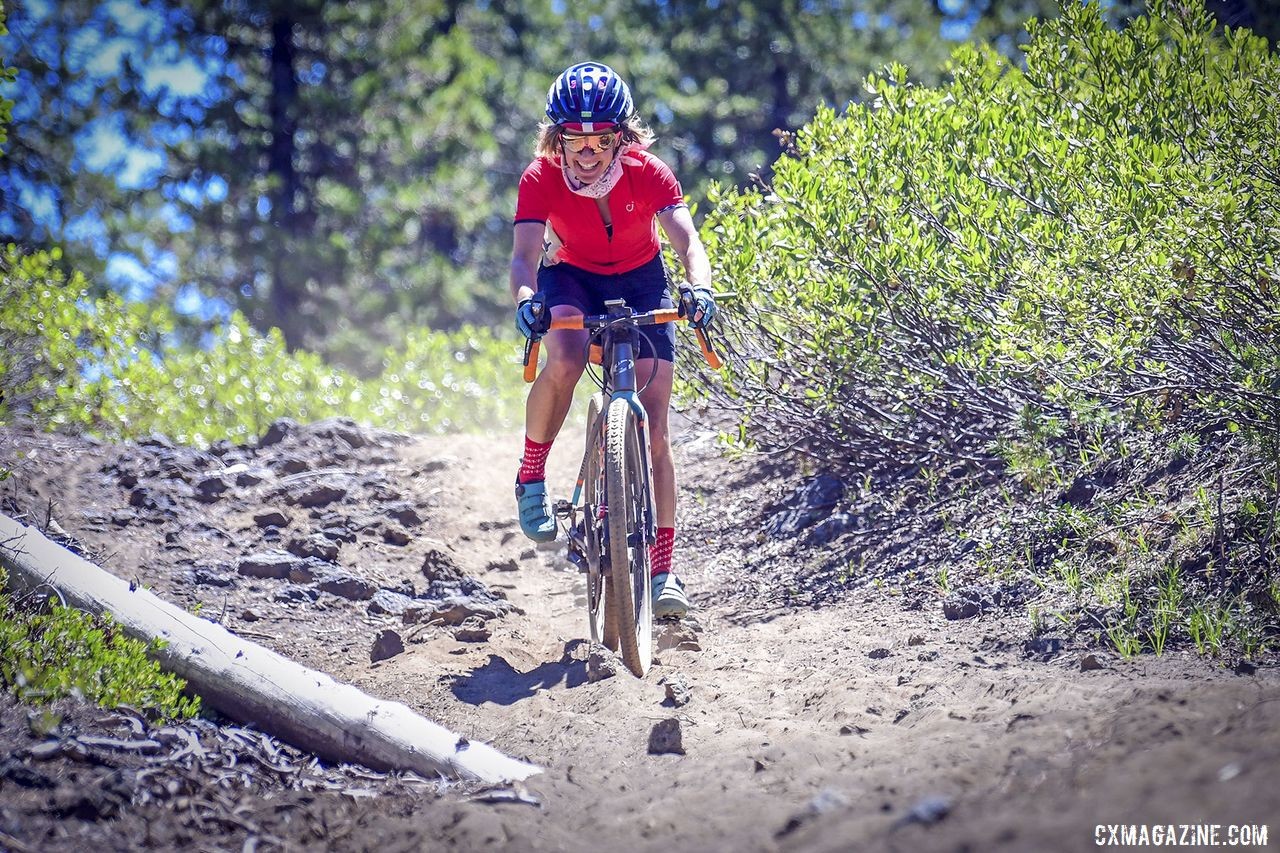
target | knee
[
  {"x": 659, "y": 443},
  {"x": 563, "y": 369}
]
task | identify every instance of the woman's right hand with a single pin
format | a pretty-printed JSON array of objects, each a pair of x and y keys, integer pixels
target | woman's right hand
[{"x": 532, "y": 318}]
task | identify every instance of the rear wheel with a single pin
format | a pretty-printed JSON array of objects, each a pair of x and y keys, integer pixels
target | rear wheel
[
  {"x": 602, "y": 620},
  {"x": 627, "y": 489}
]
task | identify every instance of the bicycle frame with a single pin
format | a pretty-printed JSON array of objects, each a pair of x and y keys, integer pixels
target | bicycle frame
[{"x": 618, "y": 382}]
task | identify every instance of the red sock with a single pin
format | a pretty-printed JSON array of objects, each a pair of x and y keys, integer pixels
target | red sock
[
  {"x": 533, "y": 465},
  {"x": 660, "y": 551}
]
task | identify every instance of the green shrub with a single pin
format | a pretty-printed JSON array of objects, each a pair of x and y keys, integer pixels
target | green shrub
[
  {"x": 66, "y": 652},
  {"x": 1016, "y": 268},
  {"x": 69, "y": 361}
]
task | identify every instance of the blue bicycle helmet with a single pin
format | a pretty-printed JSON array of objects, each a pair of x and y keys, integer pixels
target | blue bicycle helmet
[{"x": 589, "y": 96}]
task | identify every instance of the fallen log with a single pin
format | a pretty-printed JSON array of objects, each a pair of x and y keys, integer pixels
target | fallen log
[{"x": 250, "y": 683}]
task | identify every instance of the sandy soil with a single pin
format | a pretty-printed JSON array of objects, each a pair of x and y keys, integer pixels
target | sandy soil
[{"x": 862, "y": 724}]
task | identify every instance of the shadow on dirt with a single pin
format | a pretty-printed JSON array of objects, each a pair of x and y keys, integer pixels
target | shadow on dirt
[{"x": 499, "y": 682}]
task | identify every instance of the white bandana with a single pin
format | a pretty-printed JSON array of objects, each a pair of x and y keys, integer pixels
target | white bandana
[{"x": 603, "y": 185}]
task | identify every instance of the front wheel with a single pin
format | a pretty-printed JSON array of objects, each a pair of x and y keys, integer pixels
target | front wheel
[{"x": 627, "y": 487}]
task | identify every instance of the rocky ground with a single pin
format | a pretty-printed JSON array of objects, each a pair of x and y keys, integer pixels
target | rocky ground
[{"x": 823, "y": 696}]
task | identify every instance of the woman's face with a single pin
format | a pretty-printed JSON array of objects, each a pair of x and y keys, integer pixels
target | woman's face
[{"x": 592, "y": 156}]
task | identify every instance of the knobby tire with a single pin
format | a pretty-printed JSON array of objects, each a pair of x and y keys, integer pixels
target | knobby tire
[{"x": 627, "y": 490}]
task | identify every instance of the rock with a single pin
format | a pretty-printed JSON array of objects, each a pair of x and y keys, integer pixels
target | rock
[
  {"x": 386, "y": 602},
  {"x": 157, "y": 439},
  {"x": 830, "y": 529},
  {"x": 915, "y": 640},
  {"x": 1086, "y": 486},
  {"x": 473, "y": 630},
  {"x": 250, "y": 615},
  {"x": 666, "y": 738},
  {"x": 403, "y": 512},
  {"x": 458, "y": 609},
  {"x": 268, "y": 564},
  {"x": 1044, "y": 648},
  {"x": 1089, "y": 662},
  {"x": 338, "y": 534},
  {"x": 342, "y": 429},
  {"x": 1244, "y": 667},
  {"x": 278, "y": 432},
  {"x": 251, "y": 477},
  {"x": 809, "y": 504},
  {"x": 956, "y": 606},
  {"x": 387, "y": 644},
  {"x": 209, "y": 489},
  {"x": 320, "y": 493},
  {"x": 509, "y": 565},
  {"x": 927, "y": 657},
  {"x": 394, "y": 534},
  {"x": 678, "y": 636},
  {"x": 879, "y": 654},
  {"x": 439, "y": 565},
  {"x": 144, "y": 498},
  {"x": 974, "y": 600},
  {"x": 678, "y": 693},
  {"x": 271, "y": 518},
  {"x": 926, "y": 811},
  {"x": 601, "y": 663},
  {"x": 291, "y": 464},
  {"x": 413, "y": 614},
  {"x": 306, "y": 572},
  {"x": 295, "y": 594},
  {"x": 211, "y": 576},
  {"x": 347, "y": 586},
  {"x": 314, "y": 546}
]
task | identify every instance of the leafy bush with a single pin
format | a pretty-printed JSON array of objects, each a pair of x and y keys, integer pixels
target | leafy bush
[
  {"x": 1017, "y": 267},
  {"x": 106, "y": 366},
  {"x": 66, "y": 652}
]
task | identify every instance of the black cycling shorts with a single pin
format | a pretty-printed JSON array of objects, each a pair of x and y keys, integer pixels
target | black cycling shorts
[{"x": 644, "y": 289}]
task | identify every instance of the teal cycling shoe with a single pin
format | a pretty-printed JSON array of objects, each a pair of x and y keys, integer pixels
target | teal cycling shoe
[
  {"x": 669, "y": 600},
  {"x": 535, "y": 511}
]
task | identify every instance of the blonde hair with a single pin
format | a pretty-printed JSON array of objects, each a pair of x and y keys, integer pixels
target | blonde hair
[{"x": 633, "y": 130}]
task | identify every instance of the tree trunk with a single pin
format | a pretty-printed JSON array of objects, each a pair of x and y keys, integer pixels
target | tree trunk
[
  {"x": 285, "y": 289},
  {"x": 250, "y": 683}
]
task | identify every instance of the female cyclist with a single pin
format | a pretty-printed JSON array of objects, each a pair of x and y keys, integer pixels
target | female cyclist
[{"x": 585, "y": 231}]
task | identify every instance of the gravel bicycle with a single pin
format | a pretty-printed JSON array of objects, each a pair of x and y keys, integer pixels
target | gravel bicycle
[{"x": 610, "y": 519}]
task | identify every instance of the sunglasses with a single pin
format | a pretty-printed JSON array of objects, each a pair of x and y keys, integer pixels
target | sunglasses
[{"x": 578, "y": 144}]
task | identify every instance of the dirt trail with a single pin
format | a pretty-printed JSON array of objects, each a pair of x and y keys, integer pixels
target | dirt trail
[{"x": 861, "y": 725}]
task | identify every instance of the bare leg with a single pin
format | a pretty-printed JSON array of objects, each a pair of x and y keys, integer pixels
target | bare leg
[{"x": 552, "y": 392}]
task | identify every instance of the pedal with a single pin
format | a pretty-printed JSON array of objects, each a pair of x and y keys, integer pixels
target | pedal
[{"x": 562, "y": 508}]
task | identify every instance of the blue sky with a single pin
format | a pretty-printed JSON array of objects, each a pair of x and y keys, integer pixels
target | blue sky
[{"x": 119, "y": 31}]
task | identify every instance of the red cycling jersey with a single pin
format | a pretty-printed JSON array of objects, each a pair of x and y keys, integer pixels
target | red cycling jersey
[{"x": 643, "y": 191}]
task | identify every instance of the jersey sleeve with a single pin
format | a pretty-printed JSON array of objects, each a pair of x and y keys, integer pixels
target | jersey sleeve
[
  {"x": 532, "y": 200},
  {"x": 664, "y": 188}
]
